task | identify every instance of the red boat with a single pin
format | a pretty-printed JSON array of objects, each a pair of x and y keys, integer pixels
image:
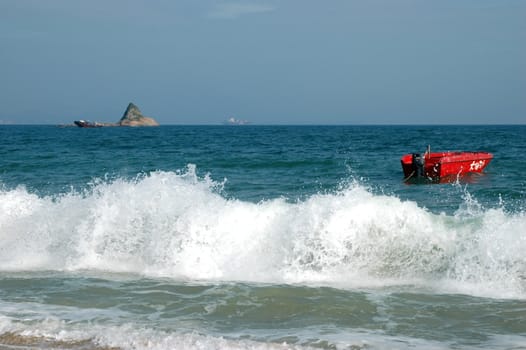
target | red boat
[{"x": 438, "y": 165}]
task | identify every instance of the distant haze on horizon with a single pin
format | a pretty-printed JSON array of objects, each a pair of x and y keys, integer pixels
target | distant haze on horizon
[{"x": 268, "y": 62}]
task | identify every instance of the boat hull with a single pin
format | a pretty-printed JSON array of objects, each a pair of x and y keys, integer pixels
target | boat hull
[
  {"x": 87, "y": 124},
  {"x": 446, "y": 164}
]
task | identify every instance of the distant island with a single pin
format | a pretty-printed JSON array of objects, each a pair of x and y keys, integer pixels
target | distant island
[
  {"x": 234, "y": 121},
  {"x": 131, "y": 117}
]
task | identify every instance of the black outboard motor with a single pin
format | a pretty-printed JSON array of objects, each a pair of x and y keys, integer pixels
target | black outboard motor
[{"x": 418, "y": 163}]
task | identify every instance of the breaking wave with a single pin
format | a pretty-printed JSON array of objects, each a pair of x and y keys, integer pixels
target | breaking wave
[{"x": 178, "y": 225}]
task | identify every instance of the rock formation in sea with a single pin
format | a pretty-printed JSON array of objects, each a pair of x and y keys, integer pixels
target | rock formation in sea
[{"x": 133, "y": 117}]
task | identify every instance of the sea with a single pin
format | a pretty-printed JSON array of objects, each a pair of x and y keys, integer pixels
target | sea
[{"x": 259, "y": 237}]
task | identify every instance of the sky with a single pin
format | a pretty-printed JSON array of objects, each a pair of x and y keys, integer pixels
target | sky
[{"x": 265, "y": 61}]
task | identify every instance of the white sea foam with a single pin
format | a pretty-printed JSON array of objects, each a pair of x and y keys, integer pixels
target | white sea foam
[
  {"x": 177, "y": 225},
  {"x": 55, "y": 333}
]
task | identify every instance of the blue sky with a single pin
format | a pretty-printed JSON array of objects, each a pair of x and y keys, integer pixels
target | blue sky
[{"x": 268, "y": 61}]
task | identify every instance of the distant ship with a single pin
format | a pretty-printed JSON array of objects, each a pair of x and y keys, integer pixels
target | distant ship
[
  {"x": 234, "y": 121},
  {"x": 87, "y": 124}
]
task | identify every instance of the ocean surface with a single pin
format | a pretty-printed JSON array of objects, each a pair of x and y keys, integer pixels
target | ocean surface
[{"x": 259, "y": 237}]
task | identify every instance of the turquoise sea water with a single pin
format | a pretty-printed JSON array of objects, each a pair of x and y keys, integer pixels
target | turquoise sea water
[{"x": 259, "y": 237}]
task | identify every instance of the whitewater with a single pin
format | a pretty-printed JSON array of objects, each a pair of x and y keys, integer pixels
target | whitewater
[{"x": 176, "y": 225}]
